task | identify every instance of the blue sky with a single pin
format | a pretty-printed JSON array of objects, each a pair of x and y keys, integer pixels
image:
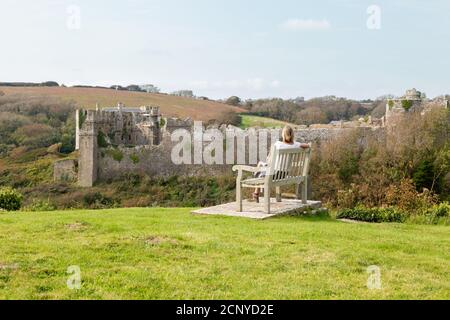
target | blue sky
[{"x": 218, "y": 48}]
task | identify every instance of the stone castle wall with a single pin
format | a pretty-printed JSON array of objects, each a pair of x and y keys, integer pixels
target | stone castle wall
[
  {"x": 117, "y": 141},
  {"x": 157, "y": 161},
  {"x": 66, "y": 170}
]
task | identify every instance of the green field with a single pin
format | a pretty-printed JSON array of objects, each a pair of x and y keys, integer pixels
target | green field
[
  {"x": 170, "y": 254},
  {"x": 248, "y": 121}
]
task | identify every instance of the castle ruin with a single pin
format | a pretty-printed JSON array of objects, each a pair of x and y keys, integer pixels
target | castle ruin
[
  {"x": 412, "y": 101},
  {"x": 120, "y": 140}
]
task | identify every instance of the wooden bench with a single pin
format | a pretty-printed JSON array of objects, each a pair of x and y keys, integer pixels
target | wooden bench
[{"x": 285, "y": 167}]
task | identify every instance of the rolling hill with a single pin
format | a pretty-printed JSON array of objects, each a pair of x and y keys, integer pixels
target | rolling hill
[{"x": 170, "y": 105}]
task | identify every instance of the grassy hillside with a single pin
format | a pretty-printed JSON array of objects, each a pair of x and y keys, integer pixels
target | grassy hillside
[
  {"x": 170, "y": 105},
  {"x": 248, "y": 121},
  {"x": 170, "y": 254}
]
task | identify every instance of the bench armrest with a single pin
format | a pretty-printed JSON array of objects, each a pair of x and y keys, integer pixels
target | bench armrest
[{"x": 246, "y": 168}]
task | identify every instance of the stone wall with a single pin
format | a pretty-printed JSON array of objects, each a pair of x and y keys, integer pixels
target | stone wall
[
  {"x": 157, "y": 161},
  {"x": 114, "y": 143},
  {"x": 65, "y": 170}
]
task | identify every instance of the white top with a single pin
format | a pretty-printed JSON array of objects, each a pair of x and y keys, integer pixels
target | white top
[{"x": 279, "y": 145}]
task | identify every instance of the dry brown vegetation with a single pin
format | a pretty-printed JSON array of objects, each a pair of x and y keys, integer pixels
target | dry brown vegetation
[
  {"x": 170, "y": 105},
  {"x": 408, "y": 166}
]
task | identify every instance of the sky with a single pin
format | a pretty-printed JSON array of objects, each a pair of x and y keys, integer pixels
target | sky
[{"x": 218, "y": 48}]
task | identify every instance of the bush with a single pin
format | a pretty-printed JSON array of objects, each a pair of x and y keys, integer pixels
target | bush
[
  {"x": 10, "y": 199},
  {"x": 406, "y": 197},
  {"x": 36, "y": 135},
  {"x": 437, "y": 212},
  {"x": 116, "y": 154},
  {"x": 233, "y": 101},
  {"x": 407, "y": 104},
  {"x": 441, "y": 210},
  {"x": 101, "y": 140},
  {"x": 134, "y": 158},
  {"x": 376, "y": 215},
  {"x": 40, "y": 205},
  {"x": 391, "y": 104},
  {"x": 97, "y": 200}
]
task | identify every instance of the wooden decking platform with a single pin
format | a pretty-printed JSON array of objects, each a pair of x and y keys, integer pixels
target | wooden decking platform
[{"x": 255, "y": 210}]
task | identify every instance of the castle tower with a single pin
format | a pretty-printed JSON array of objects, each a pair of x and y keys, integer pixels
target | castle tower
[
  {"x": 396, "y": 108},
  {"x": 155, "y": 119},
  {"x": 88, "y": 159},
  {"x": 77, "y": 129}
]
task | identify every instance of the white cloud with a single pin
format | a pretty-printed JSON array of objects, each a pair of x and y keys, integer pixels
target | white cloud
[{"x": 305, "y": 24}]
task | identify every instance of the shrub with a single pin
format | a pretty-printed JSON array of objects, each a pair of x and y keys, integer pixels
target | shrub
[
  {"x": 348, "y": 198},
  {"x": 407, "y": 104},
  {"x": 101, "y": 140},
  {"x": 390, "y": 104},
  {"x": 439, "y": 211},
  {"x": 81, "y": 118},
  {"x": 376, "y": 215},
  {"x": 10, "y": 199},
  {"x": 40, "y": 205},
  {"x": 406, "y": 197},
  {"x": 97, "y": 200},
  {"x": 424, "y": 174},
  {"x": 116, "y": 154},
  {"x": 36, "y": 135},
  {"x": 134, "y": 158}
]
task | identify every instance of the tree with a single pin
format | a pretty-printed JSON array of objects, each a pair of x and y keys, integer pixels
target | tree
[
  {"x": 311, "y": 116},
  {"x": 49, "y": 84},
  {"x": 150, "y": 88},
  {"x": 379, "y": 110},
  {"x": 35, "y": 135},
  {"x": 233, "y": 101},
  {"x": 133, "y": 87}
]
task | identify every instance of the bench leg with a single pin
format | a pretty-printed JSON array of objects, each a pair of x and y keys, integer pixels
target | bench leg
[
  {"x": 239, "y": 196},
  {"x": 305, "y": 191},
  {"x": 298, "y": 195},
  {"x": 278, "y": 194},
  {"x": 267, "y": 199}
]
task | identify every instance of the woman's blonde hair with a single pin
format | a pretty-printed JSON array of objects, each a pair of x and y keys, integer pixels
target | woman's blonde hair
[{"x": 288, "y": 134}]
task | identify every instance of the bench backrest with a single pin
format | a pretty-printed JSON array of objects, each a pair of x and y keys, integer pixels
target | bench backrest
[{"x": 289, "y": 165}]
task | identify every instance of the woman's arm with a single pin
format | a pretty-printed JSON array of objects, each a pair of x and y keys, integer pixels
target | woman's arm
[{"x": 304, "y": 145}]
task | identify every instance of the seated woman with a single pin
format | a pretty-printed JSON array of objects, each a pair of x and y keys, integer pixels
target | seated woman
[{"x": 287, "y": 143}]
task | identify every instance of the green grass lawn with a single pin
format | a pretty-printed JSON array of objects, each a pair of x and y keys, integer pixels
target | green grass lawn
[
  {"x": 170, "y": 254},
  {"x": 248, "y": 121}
]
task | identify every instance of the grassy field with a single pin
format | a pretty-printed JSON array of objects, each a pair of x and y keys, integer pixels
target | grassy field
[
  {"x": 248, "y": 121},
  {"x": 170, "y": 105},
  {"x": 170, "y": 254}
]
